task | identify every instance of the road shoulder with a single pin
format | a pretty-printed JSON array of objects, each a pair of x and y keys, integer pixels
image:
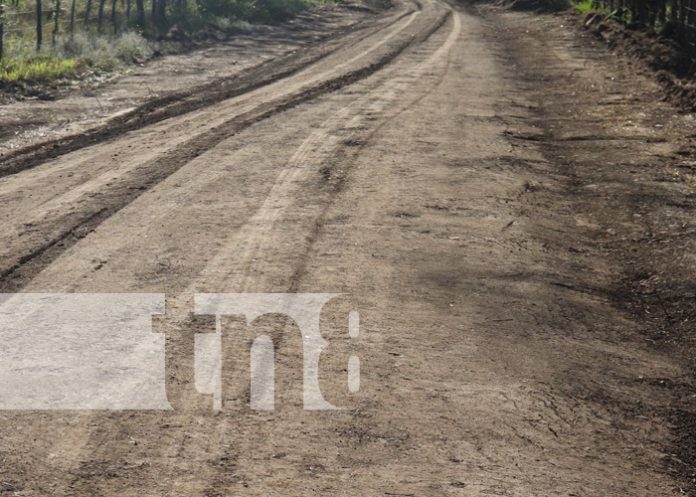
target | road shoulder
[{"x": 621, "y": 163}]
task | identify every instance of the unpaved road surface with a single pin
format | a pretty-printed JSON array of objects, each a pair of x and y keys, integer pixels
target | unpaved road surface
[
  {"x": 86, "y": 104},
  {"x": 482, "y": 187}
]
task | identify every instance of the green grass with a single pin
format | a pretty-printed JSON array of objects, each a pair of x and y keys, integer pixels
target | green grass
[
  {"x": 87, "y": 52},
  {"x": 584, "y": 7},
  {"x": 43, "y": 68},
  {"x": 73, "y": 57}
]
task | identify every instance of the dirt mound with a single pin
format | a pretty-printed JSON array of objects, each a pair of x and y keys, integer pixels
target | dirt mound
[{"x": 660, "y": 52}]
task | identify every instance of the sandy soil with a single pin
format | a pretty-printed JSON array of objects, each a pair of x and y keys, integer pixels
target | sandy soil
[{"x": 500, "y": 197}]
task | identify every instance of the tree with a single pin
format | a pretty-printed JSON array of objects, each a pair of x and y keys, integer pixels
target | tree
[
  {"x": 161, "y": 16},
  {"x": 2, "y": 25},
  {"x": 100, "y": 15},
  {"x": 88, "y": 9},
  {"x": 140, "y": 8},
  {"x": 56, "y": 15},
  {"x": 39, "y": 30},
  {"x": 180, "y": 7},
  {"x": 72, "y": 17},
  {"x": 113, "y": 15}
]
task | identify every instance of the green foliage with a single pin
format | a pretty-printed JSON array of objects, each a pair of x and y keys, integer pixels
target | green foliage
[
  {"x": 88, "y": 50},
  {"x": 42, "y": 68},
  {"x": 584, "y": 7},
  {"x": 105, "y": 53},
  {"x": 72, "y": 57},
  {"x": 131, "y": 47}
]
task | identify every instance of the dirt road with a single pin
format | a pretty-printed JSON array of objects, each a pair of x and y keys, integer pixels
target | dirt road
[
  {"x": 88, "y": 103},
  {"x": 449, "y": 171}
]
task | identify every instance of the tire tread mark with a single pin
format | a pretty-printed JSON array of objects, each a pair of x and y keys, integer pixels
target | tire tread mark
[
  {"x": 179, "y": 103},
  {"x": 144, "y": 178}
]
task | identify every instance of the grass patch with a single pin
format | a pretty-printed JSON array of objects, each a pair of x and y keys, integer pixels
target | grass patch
[
  {"x": 584, "y": 7},
  {"x": 43, "y": 68},
  {"x": 92, "y": 52},
  {"x": 73, "y": 57}
]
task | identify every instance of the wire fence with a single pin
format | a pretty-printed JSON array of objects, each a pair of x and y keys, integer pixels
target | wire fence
[
  {"x": 673, "y": 18},
  {"x": 43, "y": 22}
]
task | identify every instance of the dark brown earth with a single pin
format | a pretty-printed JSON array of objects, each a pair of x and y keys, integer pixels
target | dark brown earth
[
  {"x": 508, "y": 203},
  {"x": 669, "y": 60},
  {"x": 640, "y": 201}
]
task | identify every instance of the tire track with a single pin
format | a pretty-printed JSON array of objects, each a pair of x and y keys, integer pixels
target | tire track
[
  {"x": 322, "y": 145},
  {"x": 315, "y": 151},
  {"x": 178, "y": 307},
  {"x": 179, "y": 103},
  {"x": 75, "y": 225}
]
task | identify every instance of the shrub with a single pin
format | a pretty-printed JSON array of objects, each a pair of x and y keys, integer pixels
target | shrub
[
  {"x": 130, "y": 47},
  {"x": 105, "y": 53}
]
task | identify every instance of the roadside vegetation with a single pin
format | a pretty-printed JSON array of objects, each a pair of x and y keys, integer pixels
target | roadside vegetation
[
  {"x": 670, "y": 18},
  {"x": 44, "y": 42},
  {"x": 584, "y": 7},
  {"x": 661, "y": 34}
]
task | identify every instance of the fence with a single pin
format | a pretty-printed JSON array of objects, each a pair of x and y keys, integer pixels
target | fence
[
  {"x": 674, "y": 18},
  {"x": 45, "y": 20}
]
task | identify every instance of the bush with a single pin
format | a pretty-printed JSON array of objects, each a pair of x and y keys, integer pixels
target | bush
[
  {"x": 130, "y": 47},
  {"x": 103, "y": 53}
]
